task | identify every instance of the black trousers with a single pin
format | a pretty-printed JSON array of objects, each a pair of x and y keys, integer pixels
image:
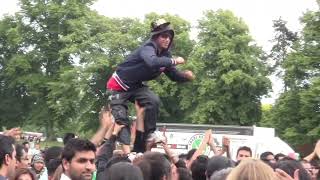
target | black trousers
[{"x": 119, "y": 108}]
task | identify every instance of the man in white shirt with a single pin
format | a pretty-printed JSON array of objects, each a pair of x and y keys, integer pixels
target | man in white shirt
[{"x": 78, "y": 160}]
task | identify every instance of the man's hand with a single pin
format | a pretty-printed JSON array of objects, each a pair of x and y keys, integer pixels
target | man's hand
[
  {"x": 207, "y": 136},
  {"x": 164, "y": 141},
  {"x": 14, "y": 132},
  {"x": 150, "y": 145},
  {"x": 139, "y": 109},
  {"x": 117, "y": 128},
  {"x": 179, "y": 60},
  {"x": 211, "y": 141},
  {"x": 106, "y": 119},
  {"x": 225, "y": 142},
  {"x": 189, "y": 75}
]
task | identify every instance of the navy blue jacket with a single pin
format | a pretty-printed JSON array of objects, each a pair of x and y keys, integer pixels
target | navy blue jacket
[{"x": 146, "y": 63}]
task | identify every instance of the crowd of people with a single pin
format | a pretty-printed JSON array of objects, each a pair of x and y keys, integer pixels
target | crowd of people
[
  {"x": 101, "y": 157},
  {"x": 123, "y": 151}
]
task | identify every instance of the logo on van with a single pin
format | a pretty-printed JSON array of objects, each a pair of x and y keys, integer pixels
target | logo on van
[{"x": 195, "y": 142}]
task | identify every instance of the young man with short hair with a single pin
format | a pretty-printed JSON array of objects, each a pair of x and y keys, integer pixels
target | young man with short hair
[
  {"x": 78, "y": 160},
  {"x": 144, "y": 64},
  {"x": 7, "y": 157},
  {"x": 268, "y": 157},
  {"x": 243, "y": 152}
]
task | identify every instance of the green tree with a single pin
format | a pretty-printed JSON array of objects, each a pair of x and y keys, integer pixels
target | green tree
[
  {"x": 296, "y": 113},
  {"x": 14, "y": 98},
  {"x": 48, "y": 38},
  {"x": 284, "y": 40},
  {"x": 230, "y": 74}
]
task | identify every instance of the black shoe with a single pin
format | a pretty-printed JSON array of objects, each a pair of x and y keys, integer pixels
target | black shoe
[{"x": 124, "y": 135}]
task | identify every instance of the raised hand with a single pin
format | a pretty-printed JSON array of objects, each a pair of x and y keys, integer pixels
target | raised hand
[
  {"x": 211, "y": 140},
  {"x": 207, "y": 136},
  {"x": 117, "y": 128},
  {"x": 189, "y": 75},
  {"x": 105, "y": 118},
  {"x": 14, "y": 132},
  {"x": 225, "y": 141},
  {"x": 179, "y": 60}
]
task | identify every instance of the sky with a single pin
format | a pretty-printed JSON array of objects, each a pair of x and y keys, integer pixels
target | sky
[{"x": 257, "y": 14}]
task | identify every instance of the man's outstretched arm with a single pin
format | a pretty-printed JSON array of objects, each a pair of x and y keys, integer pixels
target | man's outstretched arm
[
  {"x": 148, "y": 54},
  {"x": 179, "y": 76}
]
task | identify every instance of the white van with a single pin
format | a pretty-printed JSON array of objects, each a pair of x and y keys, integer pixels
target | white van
[{"x": 183, "y": 137}]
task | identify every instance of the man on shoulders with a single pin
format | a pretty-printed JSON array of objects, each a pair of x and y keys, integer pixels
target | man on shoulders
[{"x": 127, "y": 83}]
